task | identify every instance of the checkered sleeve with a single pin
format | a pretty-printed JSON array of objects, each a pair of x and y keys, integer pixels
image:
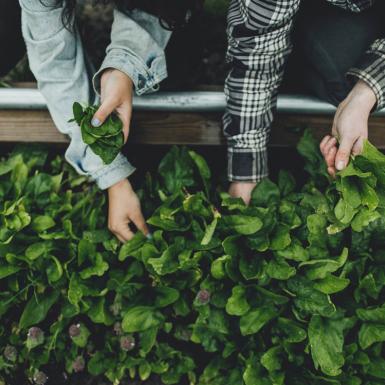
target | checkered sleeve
[
  {"x": 353, "y": 5},
  {"x": 258, "y": 45},
  {"x": 371, "y": 69}
]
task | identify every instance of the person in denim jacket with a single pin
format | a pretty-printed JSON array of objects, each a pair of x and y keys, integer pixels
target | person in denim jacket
[{"x": 134, "y": 60}]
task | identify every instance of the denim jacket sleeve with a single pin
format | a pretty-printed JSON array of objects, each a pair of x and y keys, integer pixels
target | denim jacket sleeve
[
  {"x": 57, "y": 60},
  {"x": 137, "y": 49}
]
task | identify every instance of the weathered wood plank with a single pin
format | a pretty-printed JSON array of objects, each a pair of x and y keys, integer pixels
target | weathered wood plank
[{"x": 158, "y": 128}]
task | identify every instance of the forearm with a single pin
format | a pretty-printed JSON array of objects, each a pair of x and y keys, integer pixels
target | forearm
[
  {"x": 364, "y": 97},
  {"x": 57, "y": 61},
  {"x": 257, "y": 59}
]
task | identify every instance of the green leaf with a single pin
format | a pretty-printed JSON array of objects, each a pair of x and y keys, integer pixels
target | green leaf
[
  {"x": 243, "y": 224},
  {"x": 331, "y": 284},
  {"x": 237, "y": 304},
  {"x": 292, "y": 331},
  {"x": 98, "y": 364},
  {"x": 253, "y": 321},
  {"x": 280, "y": 269},
  {"x": 165, "y": 296},
  {"x": 147, "y": 340},
  {"x": 176, "y": 169},
  {"x": 253, "y": 374},
  {"x": 98, "y": 312},
  {"x": 78, "y": 112},
  {"x": 97, "y": 269},
  {"x": 308, "y": 147},
  {"x": 280, "y": 238},
  {"x": 271, "y": 359},
  {"x": 141, "y": 318},
  {"x": 251, "y": 266},
  {"x": 371, "y": 333},
  {"x": 218, "y": 267},
  {"x": 286, "y": 182},
  {"x": 320, "y": 268},
  {"x": 374, "y": 314},
  {"x": 37, "y": 250},
  {"x": 209, "y": 232},
  {"x": 7, "y": 270},
  {"x": 295, "y": 251},
  {"x": 144, "y": 371},
  {"x": 363, "y": 219},
  {"x": 326, "y": 343},
  {"x": 42, "y": 223},
  {"x": 316, "y": 223},
  {"x": 308, "y": 299},
  {"x": 37, "y": 308},
  {"x": 54, "y": 270},
  {"x": 86, "y": 251},
  {"x": 203, "y": 168},
  {"x": 167, "y": 263},
  {"x": 344, "y": 212},
  {"x": 132, "y": 246},
  {"x": 376, "y": 368},
  {"x": 265, "y": 193}
]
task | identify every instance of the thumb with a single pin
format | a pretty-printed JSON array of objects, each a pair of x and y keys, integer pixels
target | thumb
[
  {"x": 343, "y": 153},
  {"x": 102, "y": 113}
]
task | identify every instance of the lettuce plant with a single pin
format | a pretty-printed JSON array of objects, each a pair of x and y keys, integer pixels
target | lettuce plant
[{"x": 286, "y": 291}]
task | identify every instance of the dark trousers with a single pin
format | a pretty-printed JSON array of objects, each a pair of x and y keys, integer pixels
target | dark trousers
[
  {"x": 11, "y": 41},
  {"x": 327, "y": 42}
]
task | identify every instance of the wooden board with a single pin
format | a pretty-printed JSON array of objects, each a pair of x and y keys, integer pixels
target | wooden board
[{"x": 159, "y": 128}]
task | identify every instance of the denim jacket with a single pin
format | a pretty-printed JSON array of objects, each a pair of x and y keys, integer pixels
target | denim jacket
[{"x": 58, "y": 62}]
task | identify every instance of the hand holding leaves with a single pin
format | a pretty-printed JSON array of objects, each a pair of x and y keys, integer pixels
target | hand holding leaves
[{"x": 105, "y": 140}]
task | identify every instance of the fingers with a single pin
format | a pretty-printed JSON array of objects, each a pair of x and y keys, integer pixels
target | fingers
[
  {"x": 323, "y": 143},
  {"x": 124, "y": 113},
  {"x": 326, "y": 144},
  {"x": 106, "y": 108},
  {"x": 328, "y": 147},
  {"x": 330, "y": 161},
  {"x": 122, "y": 232},
  {"x": 358, "y": 146},
  {"x": 140, "y": 222},
  {"x": 343, "y": 153}
]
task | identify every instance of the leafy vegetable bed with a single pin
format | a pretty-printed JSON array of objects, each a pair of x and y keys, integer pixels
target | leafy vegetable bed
[{"x": 286, "y": 291}]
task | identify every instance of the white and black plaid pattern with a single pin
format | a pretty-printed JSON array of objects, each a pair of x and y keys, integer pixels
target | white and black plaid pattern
[{"x": 259, "y": 43}]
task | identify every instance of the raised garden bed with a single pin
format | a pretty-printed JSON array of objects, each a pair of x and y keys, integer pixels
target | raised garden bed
[{"x": 191, "y": 118}]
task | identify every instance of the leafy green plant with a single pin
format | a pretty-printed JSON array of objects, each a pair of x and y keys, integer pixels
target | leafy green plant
[
  {"x": 105, "y": 140},
  {"x": 286, "y": 290}
]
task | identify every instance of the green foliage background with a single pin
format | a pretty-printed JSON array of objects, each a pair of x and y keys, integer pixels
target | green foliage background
[{"x": 288, "y": 290}]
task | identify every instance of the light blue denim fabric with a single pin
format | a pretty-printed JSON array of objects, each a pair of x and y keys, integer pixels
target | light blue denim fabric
[{"x": 58, "y": 62}]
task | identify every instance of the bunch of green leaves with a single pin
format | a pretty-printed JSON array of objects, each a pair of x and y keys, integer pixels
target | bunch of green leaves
[
  {"x": 360, "y": 188},
  {"x": 222, "y": 293},
  {"x": 106, "y": 140}
]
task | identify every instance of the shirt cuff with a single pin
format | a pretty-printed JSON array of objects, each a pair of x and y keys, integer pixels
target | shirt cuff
[
  {"x": 246, "y": 164},
  {"x": 144, "y": 79},
  {"x": 371, "y": 69},
  {"x": 113, "y": 173}
]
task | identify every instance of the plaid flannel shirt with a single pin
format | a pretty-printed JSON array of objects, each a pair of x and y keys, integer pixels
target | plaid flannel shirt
[{"x": 259, "y": 43}]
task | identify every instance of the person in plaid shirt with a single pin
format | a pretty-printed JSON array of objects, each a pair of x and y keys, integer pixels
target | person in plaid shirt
[{"x": 259, "y": 43}]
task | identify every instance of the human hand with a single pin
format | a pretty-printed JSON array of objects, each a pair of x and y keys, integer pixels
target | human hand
[
  {"x": 350, "y": 127},
  {"x": 116, "y": 95},
  {"x": 124, "y": 208},
  {"x": 242, "y": 190}
]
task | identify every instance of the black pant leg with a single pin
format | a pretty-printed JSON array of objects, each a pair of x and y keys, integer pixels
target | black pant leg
[
  {"x": 12, "y": 46},
  {"x": 328, "y": 41}
]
